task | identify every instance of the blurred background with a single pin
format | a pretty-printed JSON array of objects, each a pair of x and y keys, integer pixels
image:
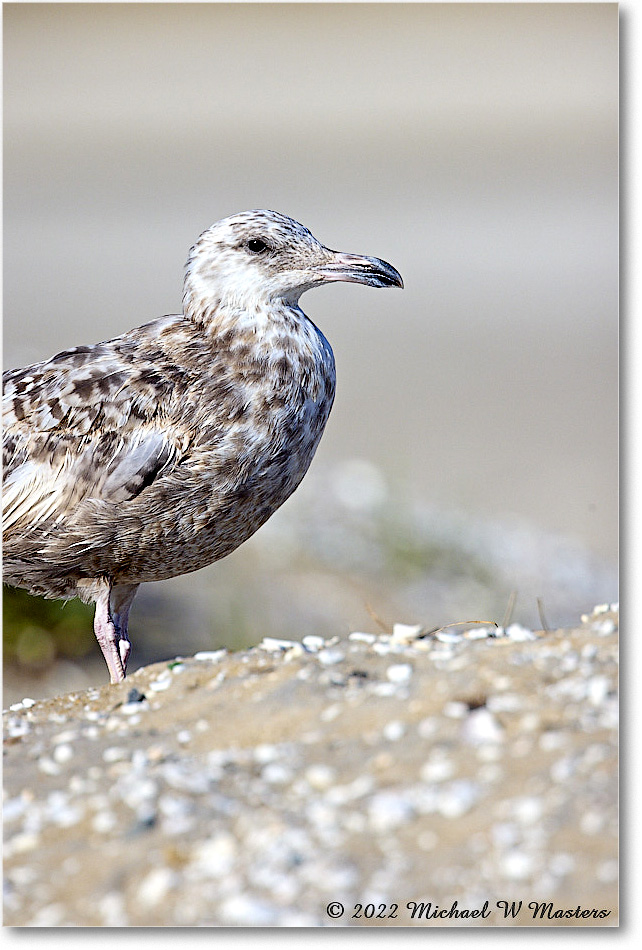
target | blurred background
[{"x": 470, "y": 461}]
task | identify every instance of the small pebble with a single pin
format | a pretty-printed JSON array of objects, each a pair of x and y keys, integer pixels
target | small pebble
[
  {"x": 215, "y": 856},
  {"x": 519, "y": 633},
  {"x": 384, "y": 689},
  {"x": 394, "y": 730},
  {"x": 161, "y": 684},
  {"x": 341, "y": 794},
  {"x": 455, "y": 709},
  {"x": 437, "y": 770},
  {"x": 111, "y": 908},
  {"x": 406, "y": 633},
  {"x": 104, "y": 822},
  {"x": 552, "y": 739},
  {"x": 528, "y": 810},
  {"x": 387, "y": 811},
  {"x": 598, "y": 690},
  {"x": 480, "y": 726},
  {"x": 516, "y": 866},
  {"x": 265, "y": 752},
  {"x": 399, "y": 672},
  {"x": 382, "y": 647},
  {"x": 21, "y": 843},
  {"x": 69, "y": 735},
  {"x": 27, "y": 702},
  {"x": 16, "y": 727},
  {"x": 115, "y": 754},
  {"x": 458, "y": 797},
  {"x": 276, "y": 773},
  {"x": 319, "y": 776},
  {"x": 330, "y": 712},
  {"x": 562, "y": 770},
  {"x": 155, "y": 886},
  {"x": 330, "y": 657},
  {"x": 273, "y": 645},
  {"x": 448, "y": 636},
  {"x": 132, "y": 710},
  {"x": 362, "y": 637},
  {"x": 479, "y": 633},
  {"x": 505, "y": 702},
  {"x": 135, "y": 696},
  {"x": 13, "y": 808},
  {"x": 63, "y": 753},
  {"x": 247, "y": 911},
  {"x": 313, "y": 644},
  {"x": 605, "y": 627},
  {"x": 50, "y": 915},
  {"x": 212, "y": 656}
]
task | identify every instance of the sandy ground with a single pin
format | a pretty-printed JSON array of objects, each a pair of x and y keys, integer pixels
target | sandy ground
[{"x": 353, "y": 782}]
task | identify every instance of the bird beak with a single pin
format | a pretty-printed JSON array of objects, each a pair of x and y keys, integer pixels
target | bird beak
[{"x": 360, "y": 270}]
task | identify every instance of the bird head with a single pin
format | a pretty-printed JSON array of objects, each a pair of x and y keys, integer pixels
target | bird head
[{"x": 261, "y": 257}]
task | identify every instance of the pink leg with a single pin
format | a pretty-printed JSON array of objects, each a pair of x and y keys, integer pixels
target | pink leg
[
  {"x": 110, "y": 626},
  {"x": 107, "y": 636}
]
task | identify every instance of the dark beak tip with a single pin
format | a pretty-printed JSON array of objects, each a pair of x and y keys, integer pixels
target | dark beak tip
[
  {"x": 392, "y": 278},
  {"x": 363, "y": 270},
  {"x": 384, "y": 274}
]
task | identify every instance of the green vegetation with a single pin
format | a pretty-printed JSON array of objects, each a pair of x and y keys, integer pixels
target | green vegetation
[{"x": 37, "y": 631}]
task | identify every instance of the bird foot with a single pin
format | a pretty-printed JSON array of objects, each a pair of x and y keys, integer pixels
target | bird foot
[{"x": 110, "y": 626}]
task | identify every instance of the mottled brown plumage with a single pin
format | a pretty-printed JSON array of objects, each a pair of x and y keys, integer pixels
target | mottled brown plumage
[{"x": 160, "y": 451}]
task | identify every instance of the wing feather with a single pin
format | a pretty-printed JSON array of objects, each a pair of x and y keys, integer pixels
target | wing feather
[{"x": 92, "y": 422}]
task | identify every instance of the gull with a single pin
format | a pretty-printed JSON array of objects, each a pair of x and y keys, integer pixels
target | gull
[{"x": 160, "y": 451}]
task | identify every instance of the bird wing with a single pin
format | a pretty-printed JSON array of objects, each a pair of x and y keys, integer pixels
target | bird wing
[{"x": 90, "y": 423}]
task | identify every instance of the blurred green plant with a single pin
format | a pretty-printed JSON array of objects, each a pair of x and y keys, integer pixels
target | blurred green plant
[
  {"x": 37, "y": 631},
  {"x": 410, "y": 552}
]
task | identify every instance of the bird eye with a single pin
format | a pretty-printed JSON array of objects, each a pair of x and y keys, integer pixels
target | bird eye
[{"x": 256, "y": 245}]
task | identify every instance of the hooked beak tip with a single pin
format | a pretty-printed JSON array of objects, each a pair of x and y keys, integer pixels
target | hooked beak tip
[{"x": 358, "y": 269}]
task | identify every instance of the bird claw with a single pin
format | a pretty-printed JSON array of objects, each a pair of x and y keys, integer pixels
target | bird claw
[{"x": 124, "y": 648}]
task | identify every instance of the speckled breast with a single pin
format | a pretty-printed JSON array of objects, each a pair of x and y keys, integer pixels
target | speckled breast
[{"x": 237, "y": 472}]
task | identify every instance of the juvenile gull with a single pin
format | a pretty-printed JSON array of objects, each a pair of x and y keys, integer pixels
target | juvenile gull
[{"x": 162, "y": 450}]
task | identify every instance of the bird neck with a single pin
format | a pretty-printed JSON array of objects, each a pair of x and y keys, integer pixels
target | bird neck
[
  {"x": 230, "y": 309},
  {"x": 260, "y": 320}
]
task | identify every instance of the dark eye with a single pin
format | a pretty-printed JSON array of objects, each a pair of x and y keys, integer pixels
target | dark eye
[{"x": 256, "y": 245}]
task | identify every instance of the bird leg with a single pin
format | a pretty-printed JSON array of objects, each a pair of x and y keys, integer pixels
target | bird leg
[
  {"x": 107, "y": 636},
  {"x": 120, "y": 601},
  {"x": 110, "y": 626}
]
